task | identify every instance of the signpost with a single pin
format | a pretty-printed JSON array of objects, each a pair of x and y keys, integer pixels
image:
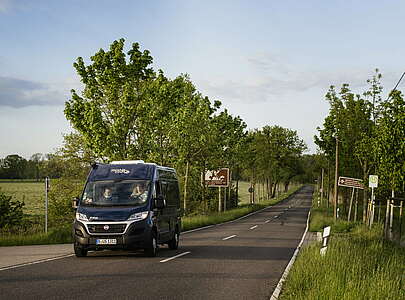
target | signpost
[
  {"x": 372, "y": 183},
  {"x": 46, "y": 203},
  {"x": 218, "y": 178},
  {"x": 353, "y": 183}
]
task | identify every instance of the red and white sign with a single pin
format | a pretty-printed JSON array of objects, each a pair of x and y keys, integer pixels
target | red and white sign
[{"x": 217, "y": 178}]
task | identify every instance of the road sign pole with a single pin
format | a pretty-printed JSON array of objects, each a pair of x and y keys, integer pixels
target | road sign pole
[
  {"x": 322, "y": 186},
  {"x": 335, "y": 196},
  {"x": 350, "y": 206},
  {"x": 219, "y": 199},
  {"x": 46, "y": 203}
]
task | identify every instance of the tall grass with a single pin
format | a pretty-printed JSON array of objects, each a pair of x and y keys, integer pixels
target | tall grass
[
  {"x": 59, "y": 235},
  {"x": 357, "y": 265}
]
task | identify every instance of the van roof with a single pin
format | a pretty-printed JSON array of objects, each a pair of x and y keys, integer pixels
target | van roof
[{"x": 131, "y": 162}]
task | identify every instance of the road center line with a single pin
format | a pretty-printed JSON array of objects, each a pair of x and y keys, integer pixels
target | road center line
[
  {"x": 176, "y": 256},
  {"x": 267, "y": 221},
  {"x": 253, "y": 227},
  {"x": 229, "y": 237}
]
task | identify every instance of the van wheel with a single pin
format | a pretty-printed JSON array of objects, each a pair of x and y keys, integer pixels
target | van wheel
[
  {"x": 152, "y": 248},
  {"x": 174, "y": 242},
  {"x": 79, "y": 251}
]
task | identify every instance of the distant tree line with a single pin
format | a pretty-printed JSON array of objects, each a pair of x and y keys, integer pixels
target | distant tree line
[{"x": 14, "y": 166}]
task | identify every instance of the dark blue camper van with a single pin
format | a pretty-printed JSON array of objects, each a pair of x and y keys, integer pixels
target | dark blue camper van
[{"x": 128, "y": 205}]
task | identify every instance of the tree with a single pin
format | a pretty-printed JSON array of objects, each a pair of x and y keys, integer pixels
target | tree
[
  {"x": 391, "y": 142},
  {"x": 107, "y": 112},
  {"x": 13, "y": 167},
  {"x": 11, "y": 212}
]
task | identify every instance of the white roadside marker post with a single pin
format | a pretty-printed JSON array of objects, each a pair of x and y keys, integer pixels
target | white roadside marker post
[{"x": 325, "y": 239}]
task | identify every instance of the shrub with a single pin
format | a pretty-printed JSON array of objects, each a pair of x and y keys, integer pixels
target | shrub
[
  {"x": 11, "y": 212},
  {"x": 60, "y": 200}
]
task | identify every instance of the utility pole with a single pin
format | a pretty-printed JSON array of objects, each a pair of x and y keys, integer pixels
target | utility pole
[
  {"x": 335, "y": 196},
  {"x": 322, "y": 186}
]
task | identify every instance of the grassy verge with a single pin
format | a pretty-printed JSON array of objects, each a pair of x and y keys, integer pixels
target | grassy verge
[
  {"x": 216, "y": 218},
  {"x": 63, "y": 234},
  {"x": 358, "y": 265},
  {"x": 60, "y": 235}
]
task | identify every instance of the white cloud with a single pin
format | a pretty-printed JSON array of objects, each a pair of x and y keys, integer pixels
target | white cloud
[
  {"x": 21, "y": 93},
  {"x": 272, "y": 76}
]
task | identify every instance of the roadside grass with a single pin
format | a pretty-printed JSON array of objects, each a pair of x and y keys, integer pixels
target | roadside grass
[
  {"x": 60, "y": 235},
  {"x": 64, "y": 235},
  {"x": 32, "y": 193},
  {"x": 321, "y": 217},
  {"x": 358, "y": 265},
  {"x": 193, "y": 222}
]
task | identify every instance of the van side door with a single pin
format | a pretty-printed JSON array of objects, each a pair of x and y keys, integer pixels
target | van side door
[{"x": 162, "y": 219}]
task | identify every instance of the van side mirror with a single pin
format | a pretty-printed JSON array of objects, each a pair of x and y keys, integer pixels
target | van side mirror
[
  {"x": 160, "y": 202},
  {"x": 75, "y": 202}
]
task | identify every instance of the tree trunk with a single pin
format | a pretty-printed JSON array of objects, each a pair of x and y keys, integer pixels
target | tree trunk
[
  {"x": 286, "y": 184},
  {"x": 273, "y": 194}
]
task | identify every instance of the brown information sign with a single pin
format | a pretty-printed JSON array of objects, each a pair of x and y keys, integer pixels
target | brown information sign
[
  {"x": 351, "y": 182},
  {"x": 217, "y": 178}
]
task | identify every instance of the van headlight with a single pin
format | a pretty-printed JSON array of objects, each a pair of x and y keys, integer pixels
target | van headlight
[
  {"x": 138, "y": 216},
  {"x": 81, "y": 217}
]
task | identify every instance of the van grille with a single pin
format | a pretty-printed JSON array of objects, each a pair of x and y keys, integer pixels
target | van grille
[{"x": 106, "y": 228}]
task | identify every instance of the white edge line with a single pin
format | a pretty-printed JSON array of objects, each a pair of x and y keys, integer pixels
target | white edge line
[
  {"x": 229, "y": 237},
  {"x": 253, "y": 227},
  {"x": 176, "y": 256},
  {"x": 35, "y": 262},
  {"x": 279, "y": 286}
]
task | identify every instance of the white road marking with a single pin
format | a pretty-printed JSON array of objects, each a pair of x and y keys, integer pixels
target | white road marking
[
  {"x": 176, "y": 256},
  {"x": 229, "y": 237},
  {"x": 275, "y": 217},
  {"x": 253, "y": 227},
  {"x": 267, "y": 221},
  {"x": 36, "y": 262}
]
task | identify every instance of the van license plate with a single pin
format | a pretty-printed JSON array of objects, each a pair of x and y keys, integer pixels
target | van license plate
[{"x": 106, "y": 241}]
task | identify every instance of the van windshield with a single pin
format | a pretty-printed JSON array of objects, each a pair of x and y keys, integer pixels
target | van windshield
[{"x": 116, "y": 193}]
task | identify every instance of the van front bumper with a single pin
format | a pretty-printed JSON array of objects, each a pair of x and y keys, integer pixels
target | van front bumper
[{"x": 136, "y": 236}]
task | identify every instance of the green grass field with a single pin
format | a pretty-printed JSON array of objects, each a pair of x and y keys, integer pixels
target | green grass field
[{"x": 31, "y": 192}]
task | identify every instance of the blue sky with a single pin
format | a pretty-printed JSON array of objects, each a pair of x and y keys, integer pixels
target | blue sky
[{"x": 270, "y": 62}]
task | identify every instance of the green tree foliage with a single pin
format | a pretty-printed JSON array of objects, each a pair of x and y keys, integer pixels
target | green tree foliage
[
  {"x": 128, "y": 111},
  {"x": 370, "y": 134},
  {"x": 391, "y": 142},
  {"x": 107, "y": 112},
  {"x": 11, "y": 212},
  {"x": 274, "y": 155}
]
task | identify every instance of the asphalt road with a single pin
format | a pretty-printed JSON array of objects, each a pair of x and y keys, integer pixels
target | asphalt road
[{"x": 243, "y": 259}]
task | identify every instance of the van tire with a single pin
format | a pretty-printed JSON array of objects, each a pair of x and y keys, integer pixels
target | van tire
[
  {"x": 152, "y": 248},
  {"x": 79, "y": 251},
  {"x": 174, "y": 242}
]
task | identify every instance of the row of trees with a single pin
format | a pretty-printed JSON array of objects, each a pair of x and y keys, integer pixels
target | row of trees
[
  {"x": 129, "y": 111},
  {"x": 14, "y": 166},
  {"x": 370, "y": 133}
]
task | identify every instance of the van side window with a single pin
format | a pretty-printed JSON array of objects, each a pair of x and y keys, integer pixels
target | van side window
[{"x": 173, "y": 194}]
